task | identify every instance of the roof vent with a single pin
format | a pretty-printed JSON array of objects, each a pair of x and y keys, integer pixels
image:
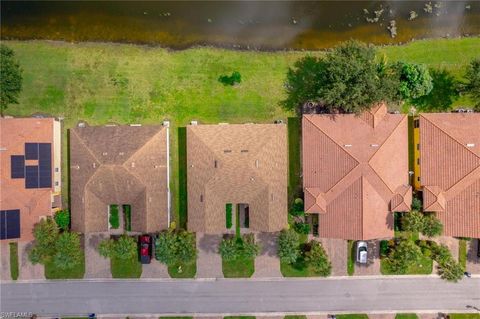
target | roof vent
[
  {"x": 215, "y": 164},
  {"x": 94, "y": 165},
  {"x": 347, "y": 145},
  {"x": 256, "y": 163},
  {"x": 470, "y": 145},
  {"x": 374, "y": 145},
  {"x": 133, "y": 164},
  {"x": 193, "y": 122},
  {"x": 244, "y": 151},
  {"x": 121, "y": 153},
  {"x": 166, "y": 123},
  {"x": 104, "y": 153},
  {"x": 227, "y": 151}
]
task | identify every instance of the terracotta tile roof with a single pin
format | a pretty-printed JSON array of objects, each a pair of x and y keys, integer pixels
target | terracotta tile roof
[
  {"x": 119, "y": 165},
  {"x": 450, "y": 170},
  {"x": 237, "y": 164},
  {"x": 33, "y": 203},
  {"x": 355, "y": 172}
]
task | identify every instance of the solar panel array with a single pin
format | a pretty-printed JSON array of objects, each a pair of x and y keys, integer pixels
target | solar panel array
[
  {"x": 10, "y": 224},
  {"x": 36, "y": 176}
]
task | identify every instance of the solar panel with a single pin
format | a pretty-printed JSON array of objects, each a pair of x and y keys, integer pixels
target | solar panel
[
  {"x": 45, "y": 165},
  {"x": 31, "y": 151},
  {"x": 10, "y": 224},
  {"x": 31, "y": 176},
  {"x": 17, "y": 166}
]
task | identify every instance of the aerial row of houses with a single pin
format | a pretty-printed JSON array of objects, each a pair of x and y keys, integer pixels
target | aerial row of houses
[{"x": 355, "y": 174}]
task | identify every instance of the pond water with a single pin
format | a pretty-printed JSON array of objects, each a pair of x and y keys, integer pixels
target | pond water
[{"x": 263, "y": 25}]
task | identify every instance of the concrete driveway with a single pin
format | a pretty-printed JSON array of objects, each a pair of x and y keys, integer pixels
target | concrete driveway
[
  {"x": 209, "y": 261},
  {"x": 372, "y": 267},
  {"x": 4, "y": 261},
  {"x": 96, "y": 266},
  {"x": 267, "y": 264},
  {"x": 27, "y": 270},
  {"x": 337, "y": 253}
]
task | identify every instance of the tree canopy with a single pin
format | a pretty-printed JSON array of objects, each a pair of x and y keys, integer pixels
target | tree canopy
[
  {"x": 288, "y": 246},
  {"x": 352, "y": 78},
  {"x": 175, "y": 247},
  {"x": 10, "y": 78},
  {"x": 472, "y": 85}
]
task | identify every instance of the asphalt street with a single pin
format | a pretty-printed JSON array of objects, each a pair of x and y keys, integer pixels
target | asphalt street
[{"x": 242, "y": 296}]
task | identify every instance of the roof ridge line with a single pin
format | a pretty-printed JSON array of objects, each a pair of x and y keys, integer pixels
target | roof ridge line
[
  {"x": 450, "y": 136},
  {"x": 144, "y": 144},
  {"x": 454, "y": 193},
  {"x": 91, "y": 153}
]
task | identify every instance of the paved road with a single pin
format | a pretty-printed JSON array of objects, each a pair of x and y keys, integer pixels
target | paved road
[{"x": 239, "y": 296}]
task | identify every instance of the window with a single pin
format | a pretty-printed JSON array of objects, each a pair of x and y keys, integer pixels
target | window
[
  {"x": 418, "y": 178},
  {"x": 215, "y": 164},
  {"x": 418, "y": 161},
  {"x": 418, "y": 147},
  {"x": 201, "y": 198},
  {"x": 416, "y": 123},
  {"x": 56, "y": 169}
]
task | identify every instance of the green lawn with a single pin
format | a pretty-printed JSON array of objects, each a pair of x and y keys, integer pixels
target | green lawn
[
  {"x": 239, "y": 268},
  {"x": 462, "y": 252},
  {"x": 121, "y": 83},
  {"x": 294, "y": 151},
  {"x": 351, "y": 257},
  {"x": 353, "y": 316},
  {"x": 295, "y": 317},
  {"x": 423, "y": 267},
  {"x": 52, "y": 272},
  {"x": 125, "y": 268},
  {"x": 186, "y": 270},
  {"x": 182, "y": 177},
  {"x": 297, "y": 269},
  {"x": 13, "y": 260},
  {"x": 464, "y": 315},
  {"x": 406, "y": 316}
]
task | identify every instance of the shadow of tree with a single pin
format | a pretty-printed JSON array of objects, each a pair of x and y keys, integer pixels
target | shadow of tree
[{"x": 444, "y": 93}]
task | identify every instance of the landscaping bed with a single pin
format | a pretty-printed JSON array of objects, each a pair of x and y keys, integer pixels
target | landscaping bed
[
  {"x": 351, "y": 257},
  {"x": 114, "y": 218},
  {"x": 13, "y": 260},
  {"x": 186, "y": 271},
  {"x": 462, "y": 252},
  {"x": 423, "y": 266}
]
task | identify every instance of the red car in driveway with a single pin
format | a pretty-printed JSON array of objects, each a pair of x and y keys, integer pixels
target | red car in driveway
[{"x": 145, "y": 248}]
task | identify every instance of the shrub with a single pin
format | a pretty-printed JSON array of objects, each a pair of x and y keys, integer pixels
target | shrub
[
  {"x": 317, "y": 258},
  {"x": 417, "y": 204},
  {"x": 45, "y": 233},
  {"x": 413, "y": 221},
  {"x": 384, "y": 248},
  {"x": 248, "y": 247},
  {"x": 228, "y": 249},
  {"x": 124, "y": 248},
  {"x": 172, "y": 248},
  {"x": 62, "y": 218},
  {"x": 450, "y": 270},
  {"x": 431, "y": 225},
  {"x": 302, "y": 228},
  {"x": 127, "y": 215},
  {"x": 228, "y": 212},
  {"x": 297, "y": 207},
  {"x": 68, "y": 251},
  {"x": 13, "y": 260},
  {"x": 234, "y": 78},
  {"x": 239, "y": 247},
  {"x": 114, "y": 218},
  {"x": 404, "y": 254},
  {"x": 288, "y": 246},
  {"x": 105, "y": 248}
]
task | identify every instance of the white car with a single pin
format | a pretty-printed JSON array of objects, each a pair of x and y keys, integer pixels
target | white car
[{"x": 361, "y": 252}]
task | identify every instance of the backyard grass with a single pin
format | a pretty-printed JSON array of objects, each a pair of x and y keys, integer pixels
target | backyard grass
[
  {"x": 353, "y": 316},
  {"x": 464, "y": 315},
  {"x": 351, "y": 257},
  {"x": 406, "y": 316},
  {"x": 182, "y": 216},
  {"x": 423, "y": 266},
  {"x": 462, "y": 252},
  {"x": 53, "y": 272},
  {"x": 13, "y": 260},
  {"x": 186, "y": 270},
  {"x": 125, "y": 268},
  {"x": 120, "y": 83},
  {"x": 238, "y": 268}
]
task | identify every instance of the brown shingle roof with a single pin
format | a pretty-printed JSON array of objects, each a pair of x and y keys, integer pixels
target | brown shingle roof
[
  {"x": 33, "y": 203},
  {"x": 450, "y": 170},
  {"x": 237, "y": 164},
  {"x": 119, "y": 165},
  {"x": 355, "y": 172}
]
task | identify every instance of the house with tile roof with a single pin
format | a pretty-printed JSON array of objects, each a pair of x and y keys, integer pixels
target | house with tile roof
[
  {"x": 119, "y": 165},
  {"x": 355, "y": 172},
  {"x": 450, "y": 170},
  {"x": 242, "y": 165},
  {"x": 30, "y": 178}
]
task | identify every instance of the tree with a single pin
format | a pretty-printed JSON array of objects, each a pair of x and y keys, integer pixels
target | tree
[
  {"x": 288, "y": 246},
  {"x": 62, "y": 218},
  {"x": 416, "y": 204},
  {"x": 472, "y": 85},
  {"x": 302, "y": 228},
  {"x": 105, "y": 248},
  {"x": 404, "y": 254},
  {"x": 228, "y": 249},
  {"x": 441, "y": 97},
  {"x": 175, "y": 247},
  {"x": 45, "y": 233},
  {"x": 125, "y": 248},
  {"x": 317, "y": 258},
  {"x": 249, "y": 249},
  {"x": 412, "y": 221},
  {"x": 10, "y": 78},
  {"x": 68, "y": 251},
  {"x": 415, "y": 80},
  {"x": 241, "y": 247},
  {"x": 450, "y": 270},
  {"x": 431, "y": 225}
]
